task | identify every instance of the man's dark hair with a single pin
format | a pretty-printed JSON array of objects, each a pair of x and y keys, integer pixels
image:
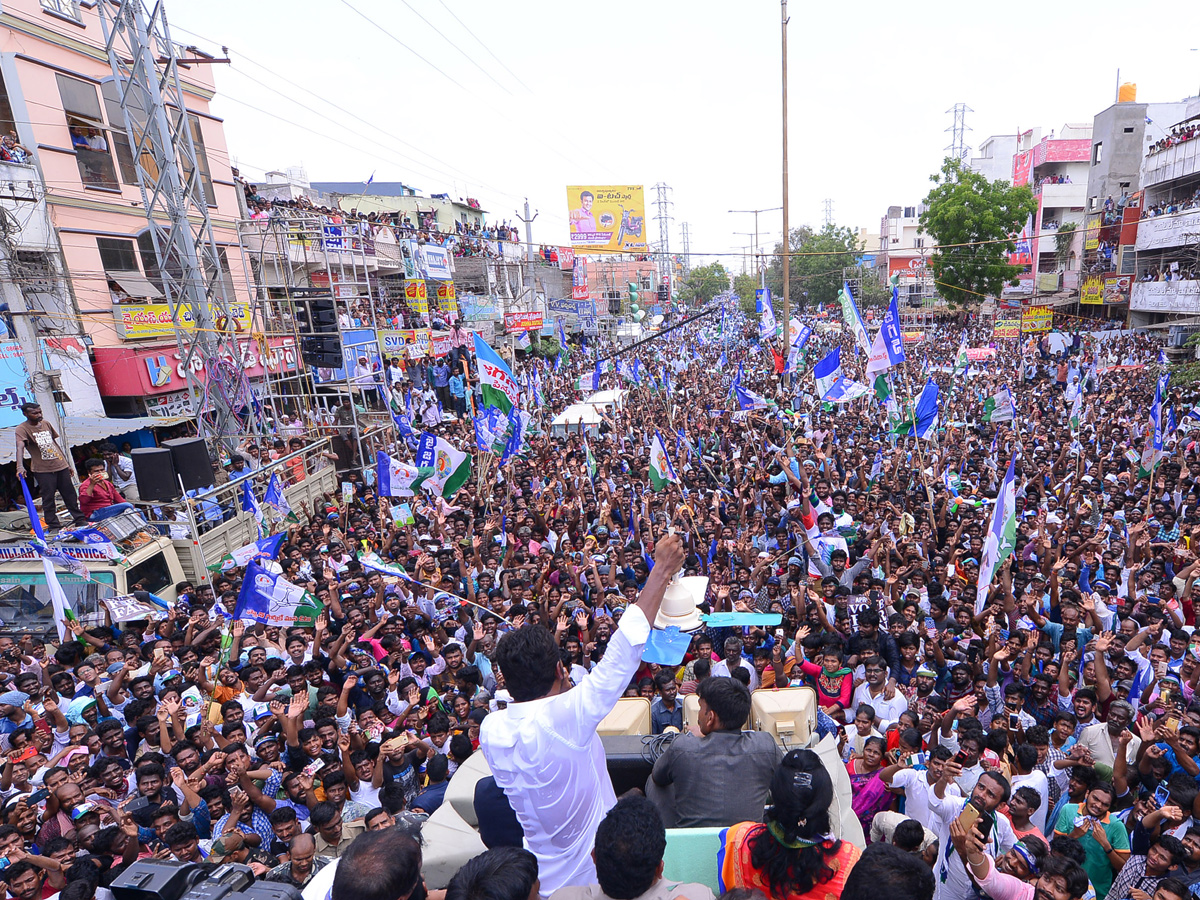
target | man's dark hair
[
  {"x": 1026, "y": 755},
  {"x": 438, "y": 767},
  {"x": 1173, "y": 886},
  {"x": 180, "y": 833},
  {"x": 1067, "y": 869},
  {"x": 887, "y": 871},
  {"x": 729, "y": 699},
  {"x": 323, "y": 814},
  {"x": 1030, "y": 795},
  {"x": 391, "y": 797},
  {"x": 17, "y": 869},
  {"x": 909, "y": 835},
  {"x": 281, "y": 815},
  {"x": 630, "y": 843},
  {"x": 1174, "y": 846},
  {"x": 506, "y": 873},
  {"x": 379, "y": 865},
  {"x": 529, "y": 659}
]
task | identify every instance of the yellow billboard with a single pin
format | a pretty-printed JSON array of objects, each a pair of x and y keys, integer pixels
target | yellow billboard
[
  {"x": 607, "y": 217},
  {"x": 147, "y": 320},
  {"x": 1093, "y": 291}
]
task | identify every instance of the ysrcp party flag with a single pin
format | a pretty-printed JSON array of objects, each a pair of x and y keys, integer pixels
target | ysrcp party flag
[
  {"x": 662, "y": 472},
  {"x": 273, "y": 600},
  {"x": 451, "y": 467},
  {"x": 263, "y": 548},
  {"x": 397, "y": 479},
  {"x": 496, "y": 381},
  {"x": 1001, "y": 536},
  {"x": 999, "y": 407},
  {"x": 827, "y": 371}
]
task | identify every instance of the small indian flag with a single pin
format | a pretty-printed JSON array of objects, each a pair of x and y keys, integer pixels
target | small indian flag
[{"x": 662, "y": 472}]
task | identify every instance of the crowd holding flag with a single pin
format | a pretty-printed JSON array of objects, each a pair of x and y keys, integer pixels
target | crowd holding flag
[
  {"x": 854, "y": 320},
  {"x": 1001, "y": 535},
  {"x": 662, "y": 472}
]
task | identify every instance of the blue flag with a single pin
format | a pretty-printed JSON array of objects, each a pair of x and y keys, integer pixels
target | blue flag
[
  {"x": 750, "y": 400},
  {"x": 273, "y": 600},
  {"x": 827, "y": 371},
  {"x": 596, "y": 377},
  {"x": 890, "y": 331},
  {"x": 925, "y": 411}
]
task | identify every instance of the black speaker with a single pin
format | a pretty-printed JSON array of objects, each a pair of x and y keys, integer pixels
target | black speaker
[
  {"x": 628, "y": 761},
  {"x": 191, "y": 462},
  {"x": 154, "y": 471}
]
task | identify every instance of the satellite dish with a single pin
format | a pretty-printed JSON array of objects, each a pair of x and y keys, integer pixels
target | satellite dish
[{"x": 657, "y": 320}]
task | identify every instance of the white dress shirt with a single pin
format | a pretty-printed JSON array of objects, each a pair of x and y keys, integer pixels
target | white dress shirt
[{"x": 546, "y": 756}]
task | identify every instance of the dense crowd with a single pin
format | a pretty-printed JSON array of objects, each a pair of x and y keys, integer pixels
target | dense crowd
[
  {"x": 1036, "y": 738},
  {"x": 1179, "y": 134}
]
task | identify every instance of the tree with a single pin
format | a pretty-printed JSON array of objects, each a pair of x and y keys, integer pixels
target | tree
[
  {"x": 973, "y": 221},
  {"x": 705, "y": 282},
  {"x": 745, "y": 286},
  {"x": 816, "y": 268}
]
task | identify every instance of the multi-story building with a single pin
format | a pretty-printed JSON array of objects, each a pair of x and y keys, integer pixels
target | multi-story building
[
  {"x": 1056, "y": 168},
  {"x": 904, "y": 253},
  {"x": 1166, "y": 274},
  {"x": 994, "y": 161},
  {"x": 66, "y": 105}
]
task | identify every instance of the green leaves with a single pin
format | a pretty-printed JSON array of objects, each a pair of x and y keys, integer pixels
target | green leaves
[
  {"x": 705, "y": 282},
  {"x": 972, "y": 221},
  {"x": 817, "y": 264}
]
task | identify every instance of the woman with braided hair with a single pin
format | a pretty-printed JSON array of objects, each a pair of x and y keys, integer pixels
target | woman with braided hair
[{"x": 794, "y": 856}]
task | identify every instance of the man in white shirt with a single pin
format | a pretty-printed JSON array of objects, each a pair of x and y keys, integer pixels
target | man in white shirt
[
  {"x": 990, "y": 791},
  {"x": 723, "y": 668},
  {"x": 873, "y": 693},
  {"x": 917, "y": 784},
  {"x": 543, "y": 749}
]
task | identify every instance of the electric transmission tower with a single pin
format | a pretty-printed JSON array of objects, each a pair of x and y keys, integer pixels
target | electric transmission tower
[
  {"x": 663, "y": 204},
  {"x": 959, "y": 148},
  {"x": 687, "y": 249},
  {"x": 828, "y": 204},
  {"x": 144, "y": 62}
]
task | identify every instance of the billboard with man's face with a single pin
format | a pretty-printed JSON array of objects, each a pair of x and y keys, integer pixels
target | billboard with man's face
[{"x": 607, "y": 217}]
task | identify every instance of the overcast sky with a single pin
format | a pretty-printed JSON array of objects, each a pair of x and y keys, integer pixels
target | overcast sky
[{"x": 538, "y": 95}]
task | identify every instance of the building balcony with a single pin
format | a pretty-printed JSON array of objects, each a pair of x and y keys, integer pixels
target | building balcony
[
  {"x": 1175, "y": 162},
  {"x": 23, "y": 197},
  {"x": 1162, "y": 232},
  {"x": 1176, "y": 297}
]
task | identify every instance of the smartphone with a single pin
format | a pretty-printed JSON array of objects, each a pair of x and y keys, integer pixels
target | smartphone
[
  {"x": 969, "y": 816},
  {"x": 1161, "y": 796},
  {"x": 159, "y": 653},
  {"x": 987, "y": 821},
  {"x": 918, "y": 759},
  {"x": 5, "y": 862},
  {"x": 1013, "y": 720},
  {"x": 313, "y": 767},
  {"x": 37, "y": 796},
  {"x": 960, "y": 757},
  {"x": 929, "y": 623},
  {"x": 21, "y": 756},
  {"x": 138, "y": 804},
  {"x": 1172, "y": 723}
]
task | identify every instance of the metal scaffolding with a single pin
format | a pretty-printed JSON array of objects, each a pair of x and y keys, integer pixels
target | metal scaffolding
[{"x": 144, "y": 62}]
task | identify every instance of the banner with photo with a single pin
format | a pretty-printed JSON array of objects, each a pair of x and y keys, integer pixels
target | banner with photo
[{"x": 607, "y": 217}]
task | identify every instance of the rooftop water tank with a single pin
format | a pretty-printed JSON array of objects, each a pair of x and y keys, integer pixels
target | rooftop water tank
[{"x": 1127, "y": 92}]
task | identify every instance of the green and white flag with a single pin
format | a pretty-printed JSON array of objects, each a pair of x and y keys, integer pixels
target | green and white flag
[
  {"x": 1001, "y": 535},
  {"x": 451, "y": 467},
  {"x": 883, "y": 390},
  {"x": 591, "y": 460},
  {"x": 961, "y": 363},
  {"x": 1077, "y": 411},
  {"x": 999, "y": 407},
  {"x": 662, "y": 472}
]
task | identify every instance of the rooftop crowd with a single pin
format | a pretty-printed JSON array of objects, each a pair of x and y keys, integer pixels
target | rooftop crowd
[{"x": 1061, "y": 705}]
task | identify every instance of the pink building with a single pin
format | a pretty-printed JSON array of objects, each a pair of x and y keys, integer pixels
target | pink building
[{"x": 60, "y": 98}]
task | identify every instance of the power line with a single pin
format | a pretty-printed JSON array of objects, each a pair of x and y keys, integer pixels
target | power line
[
  {"x": 484, "y": 46},
  {"x": 404, "y": 45},
  {"x": 468, "y": 57}
]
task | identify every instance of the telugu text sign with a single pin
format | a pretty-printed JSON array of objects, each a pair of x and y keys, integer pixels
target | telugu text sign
[
  {"x": 607, "y": 217},
  {"x": 1035, "y": 319}
]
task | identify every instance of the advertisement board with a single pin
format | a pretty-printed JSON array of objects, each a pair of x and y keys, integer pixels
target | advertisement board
[
  {"x": 446, "y": 297},
  {"x": 579, "y": 280},
  {"x": 15, "y": 379},
  {"x": 436, "y": 262},
  {"x": 607, "y": 217},
  {"x": 522, "y": 321},
  {"x": 417, "y": 296},
  {"x": 1091, "y": 237},
  {"x": 148, "y": 320},
  {"x": 1116, "y": 288},
  {"x": 1035, "y": 319},
  {"x": 1092, "y": 293},
  {"x": 410, "y": 343},
  {"x": 978, "y": 354},
  {"x": 1006, "y": 329}
]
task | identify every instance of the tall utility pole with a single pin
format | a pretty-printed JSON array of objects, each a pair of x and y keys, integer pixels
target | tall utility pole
[
  {"x": 145, "y": 64},
  {"x": 762, "y": 271},
  {"x": 687, "y": 249},
  {"x": 828, "y": 204},
  {"x": 787, "y": 261},
  {"x": 663, "y": 204},
  {"x": 528, "y": 220},
  {"x": 959, "y": 148}
]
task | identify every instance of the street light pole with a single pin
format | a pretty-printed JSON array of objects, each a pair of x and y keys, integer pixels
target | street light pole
[
  {"x": 762, "y": 275},
  {"x": 787, "y": 262}
]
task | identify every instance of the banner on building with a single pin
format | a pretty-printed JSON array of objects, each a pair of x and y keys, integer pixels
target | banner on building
[
  {"x": 1091, "y": 237},
  {"x": 1116, "y": 288},
  {"x": 14, "y": 382},
  {"x": 410, "y": 343},
  {"x": 446, "y": 297},
  {"x": 417, "y": 296},
  {"x": 436, "y": 262},
  {"x": 1006, "y": 329},
  {"x": 607, "y": 217},
  {"x": 979, "y": 354},
  {"x": 1092, "y": 293},
  {"x": 522, "y": 321},
  {"x": 148, "y": 320},
  {"x": 566, "y": 257},
  {"x": 579, "y": 280},
  {"x": 1035, "y": 319}
]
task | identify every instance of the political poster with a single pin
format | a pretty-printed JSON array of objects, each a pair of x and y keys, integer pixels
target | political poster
[
  {"x": 1006, "y": 329},
  {"x": 1092, "y": 293},
  {"x": 607, "y": 217}
]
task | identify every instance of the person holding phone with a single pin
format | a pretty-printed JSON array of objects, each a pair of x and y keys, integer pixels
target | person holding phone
[
  {"x": 1058, "y": 878},
  {"x": 978, "y": 811},
  {"x": 1102, "y": 836}
]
